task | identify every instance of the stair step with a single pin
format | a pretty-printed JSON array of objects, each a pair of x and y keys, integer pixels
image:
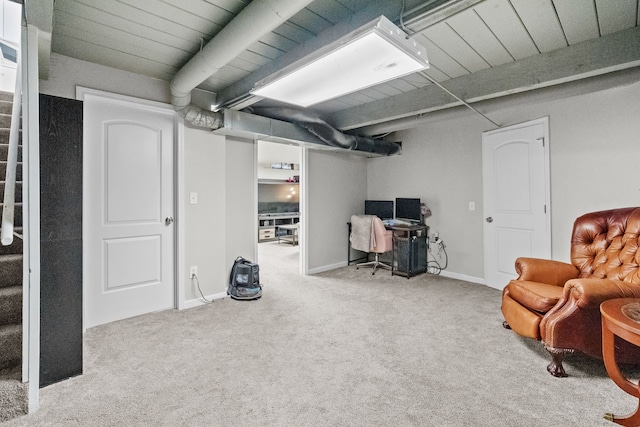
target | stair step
[
  {"x": 6, "y": 107},
  {"x": 15, "y": 248},
  {"x": 10, "y": 270},
  {"x": 5, "y": 120},
  {"x": 6, "y": 96},
  {"x": 11, "y": 373},
  {"x": 4, "y": 153},
  {"x": 10, "y": 346},
  {"x": 18, "y": 192},
  {"x": 3, "y": 170},
  {"x": 11, "y": 305}
]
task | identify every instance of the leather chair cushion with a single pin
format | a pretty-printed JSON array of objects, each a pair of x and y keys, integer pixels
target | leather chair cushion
[
  {"x": 536, "y": 296},
  {"x": 522, "y": 321}
]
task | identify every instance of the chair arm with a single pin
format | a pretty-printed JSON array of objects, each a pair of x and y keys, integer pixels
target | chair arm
[
  {"x": 545, "y": 271},
  {"x": 575, "y": 321},
  {"x": 591, "y": 292}
]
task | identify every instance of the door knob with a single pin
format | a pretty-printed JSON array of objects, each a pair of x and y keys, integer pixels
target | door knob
[
  {"x": 168, "y": 220},
  {"x": 489, "y": 219}
]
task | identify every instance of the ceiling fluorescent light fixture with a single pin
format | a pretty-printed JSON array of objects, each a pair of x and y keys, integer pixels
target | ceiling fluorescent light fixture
[{"x": 373, "y": 54}]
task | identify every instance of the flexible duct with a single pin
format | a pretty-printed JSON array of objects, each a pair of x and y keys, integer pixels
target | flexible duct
[
  {"x": 257, "y": 19},
  {"x": 327, "y": 133}
]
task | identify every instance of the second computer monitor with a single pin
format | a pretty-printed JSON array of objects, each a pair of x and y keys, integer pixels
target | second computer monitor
[
  {"x": 408, "y": 209},
  {"x": 383, "y": 209}
]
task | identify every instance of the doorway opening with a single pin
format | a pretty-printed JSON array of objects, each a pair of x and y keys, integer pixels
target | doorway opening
[{"x": 279, "y": 207}]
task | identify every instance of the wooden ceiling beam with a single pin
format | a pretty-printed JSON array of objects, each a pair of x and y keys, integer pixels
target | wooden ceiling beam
[{"x": 614, "y": 52}]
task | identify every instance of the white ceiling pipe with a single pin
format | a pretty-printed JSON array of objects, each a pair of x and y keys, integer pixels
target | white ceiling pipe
[{"x": 253, "y": 22}]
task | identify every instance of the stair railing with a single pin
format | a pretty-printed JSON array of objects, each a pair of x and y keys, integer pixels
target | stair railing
[{"x": 9, "y": 203}]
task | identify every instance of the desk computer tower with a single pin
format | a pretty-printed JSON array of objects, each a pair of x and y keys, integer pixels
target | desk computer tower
[{"x": 410, "y": 255}]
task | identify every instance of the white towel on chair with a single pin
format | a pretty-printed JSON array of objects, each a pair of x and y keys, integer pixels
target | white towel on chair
[{"x": 362, "y": 233}]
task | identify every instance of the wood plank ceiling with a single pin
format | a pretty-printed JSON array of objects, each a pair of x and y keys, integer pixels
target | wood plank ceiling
[{"x": 157, "y": 37}]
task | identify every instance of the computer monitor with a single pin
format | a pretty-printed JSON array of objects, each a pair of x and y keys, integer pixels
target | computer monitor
[
  {"x": 383, "y": 209},
  {"x": 408, "y": 209}
]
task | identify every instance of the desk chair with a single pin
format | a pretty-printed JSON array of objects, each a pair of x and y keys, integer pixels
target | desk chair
[{"x": 369, "y": 235}]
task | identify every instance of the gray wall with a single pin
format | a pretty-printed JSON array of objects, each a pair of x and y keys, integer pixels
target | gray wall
[
  {"x": 336, "y": 188},
  {"x": 442, "y": 165},
  {"x": 222, "y": 225},
  {"x": 240, "y": 201},
  {"x": 594, "y": 156},
  {"x": 204, "y": 173},
  {"x": 594, "y": 153}
]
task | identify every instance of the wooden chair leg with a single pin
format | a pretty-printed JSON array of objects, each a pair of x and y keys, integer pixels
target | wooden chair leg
[{"x": 555, "y": 368}]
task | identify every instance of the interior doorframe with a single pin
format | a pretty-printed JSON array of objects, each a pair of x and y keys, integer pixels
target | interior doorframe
[
  {"x": 303, "y": 265},
  {"x": 178, "y": 188},
  {"x": 544, "y": 121},
  {"x": 304, "y": 210}
]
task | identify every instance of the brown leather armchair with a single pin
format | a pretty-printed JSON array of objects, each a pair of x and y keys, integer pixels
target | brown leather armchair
[{"x": 559, "y": 303}]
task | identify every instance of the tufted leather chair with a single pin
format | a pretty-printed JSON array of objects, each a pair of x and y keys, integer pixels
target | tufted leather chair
[{"x": 558, "y": 303}]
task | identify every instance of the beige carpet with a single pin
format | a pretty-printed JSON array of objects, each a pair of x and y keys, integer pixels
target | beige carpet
[{"x": 343, "y": 348}]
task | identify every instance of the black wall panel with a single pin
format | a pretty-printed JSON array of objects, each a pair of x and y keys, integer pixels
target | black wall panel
[{"x": 60, "y": 239}]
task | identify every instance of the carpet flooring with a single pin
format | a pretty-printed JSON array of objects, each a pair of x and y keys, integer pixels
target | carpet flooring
[{"x": 341, "y": 348}]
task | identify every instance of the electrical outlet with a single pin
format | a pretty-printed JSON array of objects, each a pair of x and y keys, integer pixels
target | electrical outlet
[{"x": 193, "y": 271}]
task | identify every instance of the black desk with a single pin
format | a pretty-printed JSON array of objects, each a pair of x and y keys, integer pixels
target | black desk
[{"x": 409, "y": 254}]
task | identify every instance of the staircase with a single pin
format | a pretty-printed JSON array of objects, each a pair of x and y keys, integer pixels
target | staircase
[{"x": 13, "y": 392}]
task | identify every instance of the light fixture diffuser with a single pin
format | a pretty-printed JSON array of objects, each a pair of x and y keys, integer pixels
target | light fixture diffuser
[{"x": 373, "y": 54}]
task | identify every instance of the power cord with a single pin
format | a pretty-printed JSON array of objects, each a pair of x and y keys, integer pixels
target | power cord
[
  {"x": 434, "y": 266},
  {"x": 195, "y": 276}
]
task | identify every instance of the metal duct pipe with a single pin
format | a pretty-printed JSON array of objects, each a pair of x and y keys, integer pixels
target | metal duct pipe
[
  {"x": 327, "y": 133},
  {"x": 254, "y": 21}
]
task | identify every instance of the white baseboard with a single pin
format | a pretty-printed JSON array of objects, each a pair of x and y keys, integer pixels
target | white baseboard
[
  {"x": 444, "y": 273},
  {"x": 196, "y": 302},
  {"x": 464, "y": 277},
  {"x": 324, "y": 268}
]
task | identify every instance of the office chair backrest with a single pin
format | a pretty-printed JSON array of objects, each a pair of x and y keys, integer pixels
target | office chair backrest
[{"x": 383, "y": 237}]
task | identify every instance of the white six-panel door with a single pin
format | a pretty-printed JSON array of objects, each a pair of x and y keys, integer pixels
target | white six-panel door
[
  {"x": 129, "y": 209},
  {"x": 516, "y": 198}
]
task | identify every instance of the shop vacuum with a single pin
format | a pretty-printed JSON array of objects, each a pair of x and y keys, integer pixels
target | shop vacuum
[{"x": 244, "y": 281}]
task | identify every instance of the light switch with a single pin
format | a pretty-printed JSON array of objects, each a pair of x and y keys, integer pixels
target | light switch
[
  {"x": 193, "y": 198},
  {"x": 472, "y": 206}
]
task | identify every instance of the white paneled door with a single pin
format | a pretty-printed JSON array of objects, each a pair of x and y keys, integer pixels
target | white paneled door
[
  {"x": 129, "y": 208},
  {"x": 516, "y": 198}
]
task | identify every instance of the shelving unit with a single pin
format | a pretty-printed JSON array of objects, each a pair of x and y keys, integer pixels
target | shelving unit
[{"x": 268, "y": 225}]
